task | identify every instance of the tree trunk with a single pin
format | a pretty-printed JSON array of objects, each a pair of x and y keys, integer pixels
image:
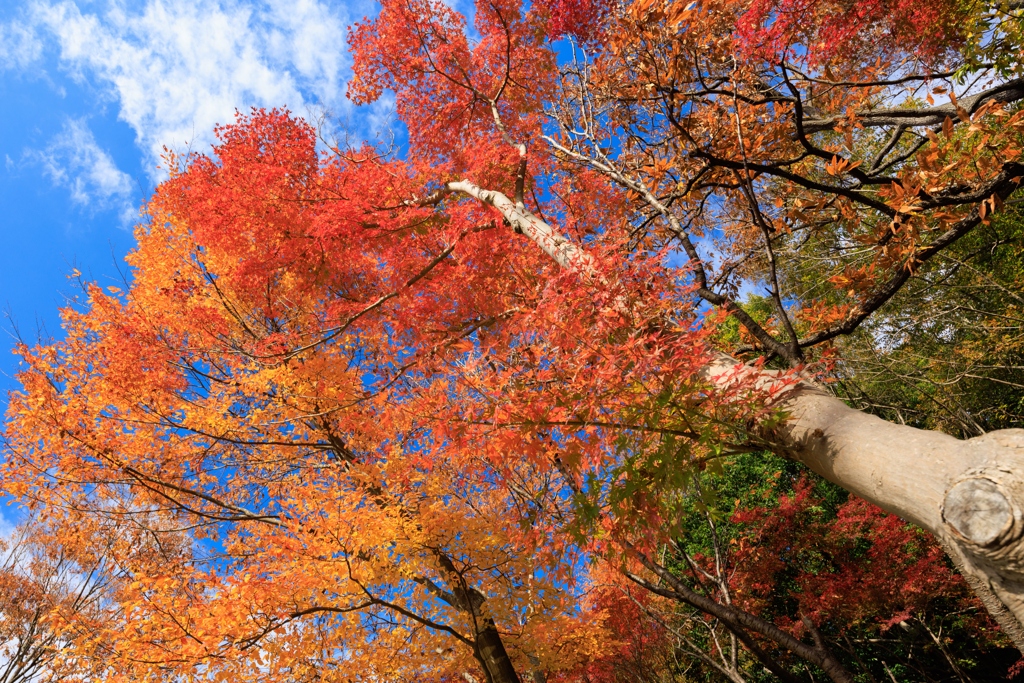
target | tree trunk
[
  {"x": 969, "y": 494},
  {"x": 492, "y": 654}
]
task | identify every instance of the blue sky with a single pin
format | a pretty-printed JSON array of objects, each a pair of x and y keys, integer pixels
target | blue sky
[{"x": 91, "y": 92}]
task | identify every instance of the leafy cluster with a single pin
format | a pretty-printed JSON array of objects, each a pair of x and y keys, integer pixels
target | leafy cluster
[{"x": 794, "y": 546}]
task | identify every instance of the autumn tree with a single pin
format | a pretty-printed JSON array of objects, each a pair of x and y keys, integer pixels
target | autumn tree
[
  {"x": 360, "y": 414},
  {"x": 47, "y": 597},
  {"x": 831, "y": 192},
  {"x": 259, "y": 440}
]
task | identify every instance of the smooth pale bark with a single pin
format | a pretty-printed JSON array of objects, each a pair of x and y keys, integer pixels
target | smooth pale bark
[
  {"x": 969, "y": 494},
  {"x": 564, "y": 252}
]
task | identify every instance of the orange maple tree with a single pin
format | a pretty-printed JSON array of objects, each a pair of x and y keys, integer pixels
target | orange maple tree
[{"x": 365, "y": 415}]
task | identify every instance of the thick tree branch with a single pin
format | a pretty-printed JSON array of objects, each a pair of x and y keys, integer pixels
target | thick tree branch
[{"x": 1011, "y": 91}]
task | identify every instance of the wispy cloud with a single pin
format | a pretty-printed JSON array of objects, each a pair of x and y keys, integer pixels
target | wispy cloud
[
  {"x": 74, "y": 160},
  {"x": 20, "y": 46},
  {"x": 176, "y": 68}
]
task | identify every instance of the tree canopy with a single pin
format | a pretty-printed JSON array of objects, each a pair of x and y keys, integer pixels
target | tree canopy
[{"x": 429, "y": 412}]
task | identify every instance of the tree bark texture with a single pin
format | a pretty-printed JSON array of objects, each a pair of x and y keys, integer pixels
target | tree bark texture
[{"x": 493, "y": 656}]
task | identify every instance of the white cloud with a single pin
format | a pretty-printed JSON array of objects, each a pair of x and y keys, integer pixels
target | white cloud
[
  {"x": 20, "y": 47},
  {"x": 74, "y": 160},
  {"x": 176, "y": 68}
]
